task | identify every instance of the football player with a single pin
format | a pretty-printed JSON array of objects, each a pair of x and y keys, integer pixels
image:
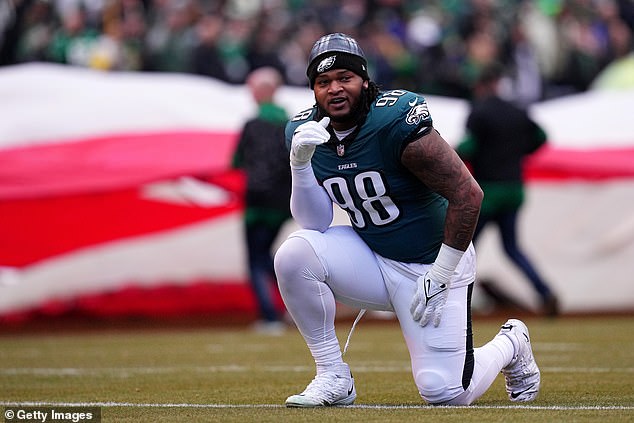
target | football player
[{"x": 413, "y": 208}]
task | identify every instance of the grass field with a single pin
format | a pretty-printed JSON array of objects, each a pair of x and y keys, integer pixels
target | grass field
[{"x": 234, "y": 375}]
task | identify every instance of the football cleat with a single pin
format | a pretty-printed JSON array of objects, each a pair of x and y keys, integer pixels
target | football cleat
[
  {"x": 334, "y": 387},
  {"x": 522, "y": 374}
]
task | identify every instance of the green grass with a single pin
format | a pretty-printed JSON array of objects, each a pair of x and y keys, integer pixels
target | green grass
[{"x": 235, "y": 375}]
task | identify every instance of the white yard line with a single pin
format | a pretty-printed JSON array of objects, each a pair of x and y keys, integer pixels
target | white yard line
[
  {"x": 360, "y": 406},
  {"x": 232, "y": 368}
]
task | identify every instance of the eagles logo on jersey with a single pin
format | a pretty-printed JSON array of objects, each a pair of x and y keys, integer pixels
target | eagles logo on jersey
[
  {"x": 417, "y": 114},
  {"x": 369, "y": 181}
]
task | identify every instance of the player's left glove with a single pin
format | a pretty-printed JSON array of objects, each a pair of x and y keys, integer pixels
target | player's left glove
[
  {"x": 429, "y": 300},
  {"x": 432, "y": 289}
]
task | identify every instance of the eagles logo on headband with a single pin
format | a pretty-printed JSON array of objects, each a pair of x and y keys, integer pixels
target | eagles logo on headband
[
  {"x": 336, "y": 51},
  {"x": 326, "y": 64}
]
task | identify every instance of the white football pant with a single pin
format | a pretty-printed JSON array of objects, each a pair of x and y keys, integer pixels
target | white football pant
[{"x": 314, "y": 269}]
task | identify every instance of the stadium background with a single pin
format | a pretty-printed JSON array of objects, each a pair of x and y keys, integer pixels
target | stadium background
[
  {"x": 122, "y": 203},
  {"x": 116, "y": 197}
]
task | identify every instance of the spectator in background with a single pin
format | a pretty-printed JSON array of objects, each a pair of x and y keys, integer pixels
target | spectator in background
[
  {"x": 73, "y": 43},
  {"x": 294, "y": 51},
  {"x": 130, "y": 15},
  {"x": 619, "y": 73},
  {"x": 37, "y": 32},
  {"x": 264, "y": 45},
  {"x": 499, "y": 136},
  {"x": 560, "y": 45},
  {"x": 527, "y": 83},
  {"x": 262, "y": 155},
  {"x": 206, "y": 57},
  {"x": 171, "y": 37},
  {"x": 233, "y": 45}
]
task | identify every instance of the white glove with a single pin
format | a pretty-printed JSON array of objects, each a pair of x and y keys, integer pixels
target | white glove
[
  {"x": 429, "y": 299},
  {"x": 432, "y": 289},
  {"x": 307, "y": 136}
]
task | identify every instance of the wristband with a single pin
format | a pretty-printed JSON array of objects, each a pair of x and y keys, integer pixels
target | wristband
[{"x": 446, "y": 263}]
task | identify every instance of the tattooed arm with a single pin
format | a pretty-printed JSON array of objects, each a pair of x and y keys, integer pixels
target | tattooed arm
[{"x": 438, "y": 166}]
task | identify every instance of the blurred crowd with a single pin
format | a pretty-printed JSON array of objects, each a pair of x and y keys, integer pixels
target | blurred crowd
[{"x": 548, "y": 47}]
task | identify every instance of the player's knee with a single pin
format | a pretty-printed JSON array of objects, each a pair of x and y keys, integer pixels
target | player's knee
[
  {"x": 432, "y": 386},
  {"x": 292, "y": 259},
  {"x": 285, "y": 260}
]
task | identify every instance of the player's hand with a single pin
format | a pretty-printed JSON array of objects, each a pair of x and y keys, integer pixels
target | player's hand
[
  {"x": 306, "y": 137},
  {"x": 429, "y": 299}
]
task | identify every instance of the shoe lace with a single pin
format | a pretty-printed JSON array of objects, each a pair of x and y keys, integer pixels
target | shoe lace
[{"x": 354, "y": 324}]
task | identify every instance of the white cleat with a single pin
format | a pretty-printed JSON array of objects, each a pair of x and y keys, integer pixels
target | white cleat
[
  {"x": 330, "y": 388},
  {"x": 522, "y": 374}
]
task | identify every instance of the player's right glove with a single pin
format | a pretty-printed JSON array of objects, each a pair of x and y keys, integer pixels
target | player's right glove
[
  {"x": 429, "y": 300},
  {"x": 432, "y": 289},
  {"x": 305, "y": 139}
]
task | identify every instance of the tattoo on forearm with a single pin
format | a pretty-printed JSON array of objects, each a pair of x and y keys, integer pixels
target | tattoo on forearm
[{"x": 437, "y": 165}]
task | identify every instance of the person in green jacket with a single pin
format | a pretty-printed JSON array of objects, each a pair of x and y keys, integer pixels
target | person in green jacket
[
  {"x": 499, "y": 135},
  {"x": 263, "y": 156}
]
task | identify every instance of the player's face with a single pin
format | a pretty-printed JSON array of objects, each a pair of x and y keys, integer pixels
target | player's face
[{"x": 338, "y": 93}]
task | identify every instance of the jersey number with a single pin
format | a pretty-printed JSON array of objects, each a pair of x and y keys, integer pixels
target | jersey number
[
  {"x": 369, "y": 187},
  {"x": 302, "y": 115}
]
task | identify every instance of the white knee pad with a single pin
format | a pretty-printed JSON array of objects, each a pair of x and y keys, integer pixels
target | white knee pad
[{"x": 432, "y": 386}]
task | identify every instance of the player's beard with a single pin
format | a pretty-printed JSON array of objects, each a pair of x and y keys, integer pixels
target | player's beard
[{"x": 357, "y": 112}]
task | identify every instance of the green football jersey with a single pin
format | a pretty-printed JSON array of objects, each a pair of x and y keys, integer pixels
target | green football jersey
[{"x": 398, "y": 216}]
